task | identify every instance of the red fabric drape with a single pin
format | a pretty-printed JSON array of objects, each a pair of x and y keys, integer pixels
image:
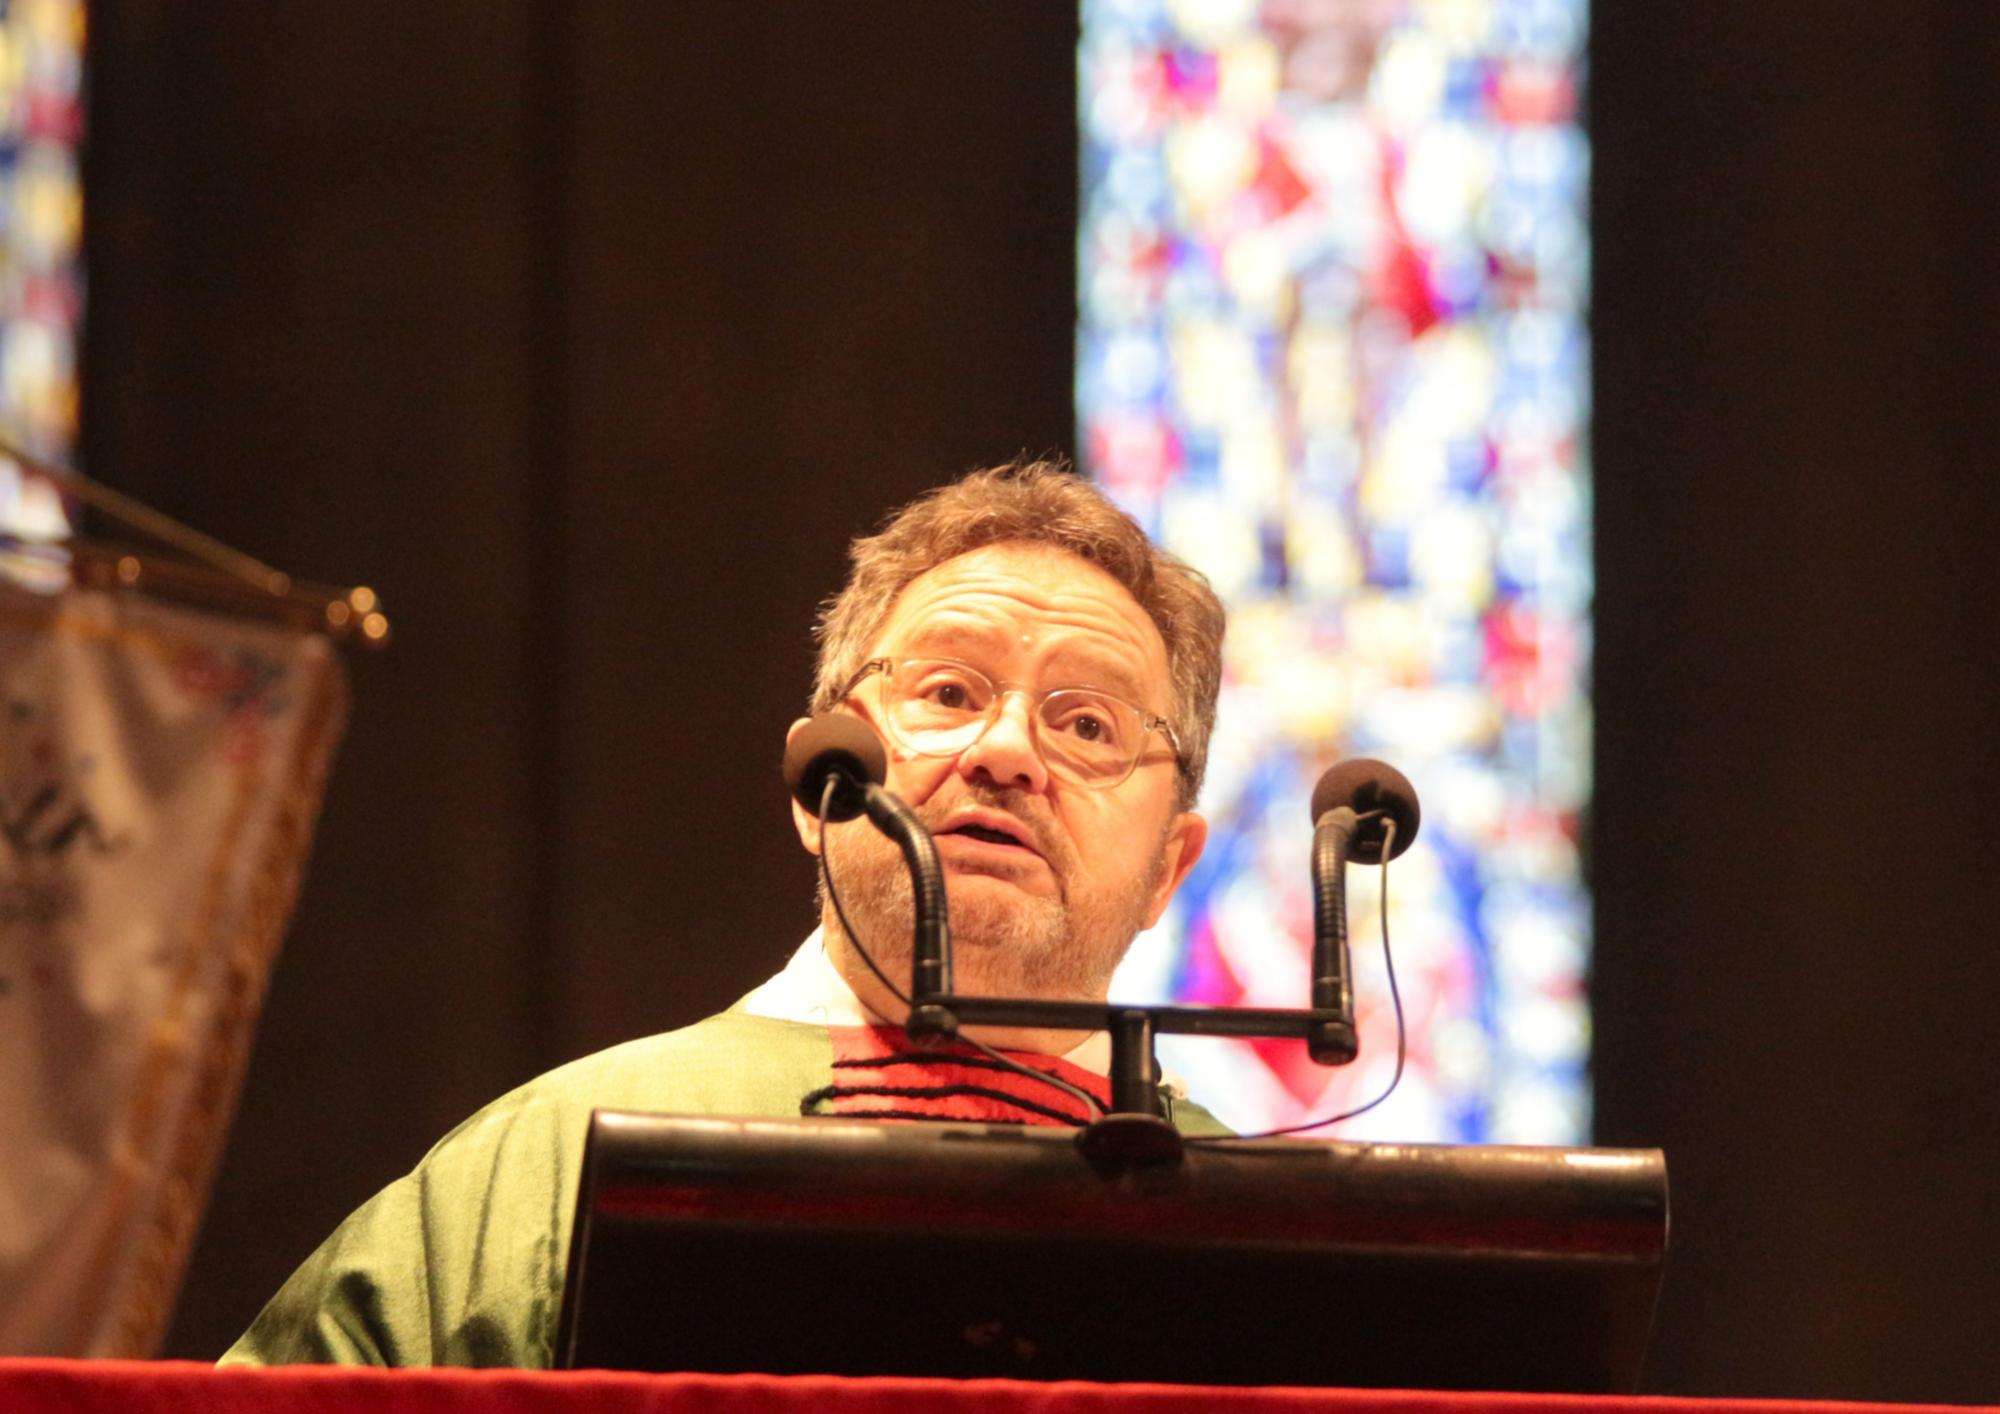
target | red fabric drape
[{"x": 133, "y": 1387}]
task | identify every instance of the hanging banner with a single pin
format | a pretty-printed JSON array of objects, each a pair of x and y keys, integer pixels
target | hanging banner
[{"x": 160, "y": 775}]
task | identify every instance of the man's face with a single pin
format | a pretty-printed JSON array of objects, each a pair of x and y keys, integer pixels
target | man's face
[{"x": 1050, "y": 917}]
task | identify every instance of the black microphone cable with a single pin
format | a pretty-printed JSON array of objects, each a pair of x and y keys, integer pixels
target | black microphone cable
[
  {"x": 1090, "y": 1101},
  {"x": 1395, "y": 999}
]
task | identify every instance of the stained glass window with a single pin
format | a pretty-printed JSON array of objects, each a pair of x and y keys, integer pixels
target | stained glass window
[
  {"x": 41, "y": 221},
  {"x": 1333, "y": 270}
]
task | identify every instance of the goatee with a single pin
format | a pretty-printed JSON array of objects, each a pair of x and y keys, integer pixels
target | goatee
[{"x": 1005, "y": 941}]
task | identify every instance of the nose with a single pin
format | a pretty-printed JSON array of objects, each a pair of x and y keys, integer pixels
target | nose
[{"x": 1005, "y": 752}]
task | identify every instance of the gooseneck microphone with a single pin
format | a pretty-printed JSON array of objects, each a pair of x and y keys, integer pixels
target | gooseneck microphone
[
  {"x": 1352, "y": 805},
  {"x": 841, "y": 747}
]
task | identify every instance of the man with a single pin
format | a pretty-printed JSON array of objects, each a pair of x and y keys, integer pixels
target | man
[{"x": 1045, "y": 681}]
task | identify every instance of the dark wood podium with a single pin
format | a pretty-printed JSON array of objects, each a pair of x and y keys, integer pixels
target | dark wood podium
[{"x": 851, "y": 1248}]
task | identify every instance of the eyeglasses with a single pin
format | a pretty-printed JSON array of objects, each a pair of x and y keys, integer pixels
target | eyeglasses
[{"x": 936, "y": 707}]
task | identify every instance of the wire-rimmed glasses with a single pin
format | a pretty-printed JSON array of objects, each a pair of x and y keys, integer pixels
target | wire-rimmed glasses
[{"x": 939, "y": 707}]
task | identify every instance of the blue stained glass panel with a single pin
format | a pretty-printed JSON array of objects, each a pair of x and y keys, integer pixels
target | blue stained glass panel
[
  {"x": 41, "y": 224},
  {"x": 1332, "y": 349}
]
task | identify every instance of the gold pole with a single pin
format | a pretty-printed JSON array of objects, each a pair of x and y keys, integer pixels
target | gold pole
[{"x": 222, "y": 578}]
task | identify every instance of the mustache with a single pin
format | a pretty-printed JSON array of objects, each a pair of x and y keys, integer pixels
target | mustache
[{"x": 1023, "y": 808}]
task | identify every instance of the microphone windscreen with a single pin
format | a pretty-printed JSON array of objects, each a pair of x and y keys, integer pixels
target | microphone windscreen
[
  {"x": 834, "y": 742},
  {"x": 1365, "y": 786}
]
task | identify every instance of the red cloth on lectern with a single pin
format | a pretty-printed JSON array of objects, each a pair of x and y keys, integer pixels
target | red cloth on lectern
[
  {"x": 878, "y": 1074},
  {"x": 133, "y": 1387}
]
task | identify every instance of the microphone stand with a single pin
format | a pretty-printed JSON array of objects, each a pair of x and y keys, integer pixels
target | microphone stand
[
  {"x": 1332, "y": 1042},
  {"x": 1135, "y": 1130},
  {"x": 930, "y": 945}
]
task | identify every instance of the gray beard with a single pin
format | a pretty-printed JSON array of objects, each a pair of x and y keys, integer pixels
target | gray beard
[{"x": 1047, "y": 948}]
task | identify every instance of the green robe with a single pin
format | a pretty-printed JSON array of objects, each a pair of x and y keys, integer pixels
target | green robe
[{"x": 461, "y": 1261}]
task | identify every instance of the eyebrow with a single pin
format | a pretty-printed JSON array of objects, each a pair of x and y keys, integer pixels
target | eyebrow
[{"x": 1103, "y": 674}]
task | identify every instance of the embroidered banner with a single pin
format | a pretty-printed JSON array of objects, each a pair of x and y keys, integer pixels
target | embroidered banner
[{"x": 160, "y": 775}]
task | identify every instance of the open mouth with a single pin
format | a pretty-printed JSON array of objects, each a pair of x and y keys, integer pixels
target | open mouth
[{"x": 989, "y": 835}]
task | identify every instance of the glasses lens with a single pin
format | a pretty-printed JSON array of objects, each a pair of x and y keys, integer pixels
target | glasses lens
[
  {"x": 936, "y": 708},
  {"x": 1089, "y": 736},
  {"x": 939, "y": 708}
]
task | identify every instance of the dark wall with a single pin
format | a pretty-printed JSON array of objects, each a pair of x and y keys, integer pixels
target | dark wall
[
  {"x": 1798, "y": 207},
  {"x": 587, "y": 333}
]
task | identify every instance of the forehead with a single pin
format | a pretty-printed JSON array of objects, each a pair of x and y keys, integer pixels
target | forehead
[{"x": 1043, "y": 610}]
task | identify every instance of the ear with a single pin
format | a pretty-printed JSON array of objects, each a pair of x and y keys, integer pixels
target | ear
[
  {"x": 803, "y": 820},
  {"x": 1186, "y": 837}
]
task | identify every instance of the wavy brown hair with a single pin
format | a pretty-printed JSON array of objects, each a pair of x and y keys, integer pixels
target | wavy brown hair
[{"x": 1034, "y": 503}]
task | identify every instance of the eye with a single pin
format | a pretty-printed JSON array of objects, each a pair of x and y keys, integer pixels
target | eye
[
  {"x": 947, "y": 688},
  {"x": 1086, "y": 721}
]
